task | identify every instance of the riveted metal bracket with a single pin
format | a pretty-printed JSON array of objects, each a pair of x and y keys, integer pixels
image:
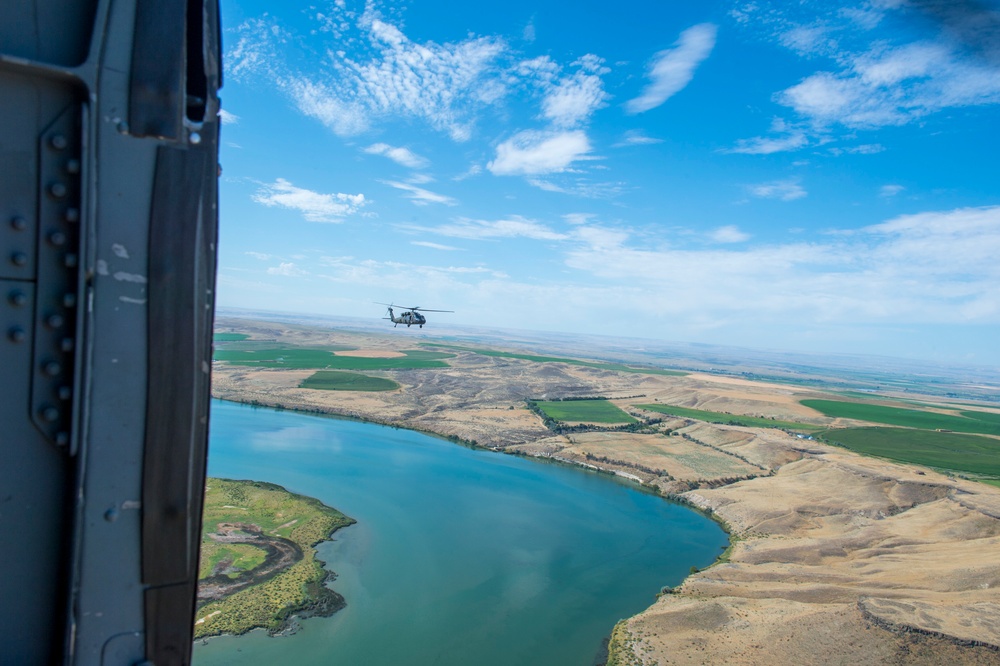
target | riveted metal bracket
[{"x": 57, "y": 268}]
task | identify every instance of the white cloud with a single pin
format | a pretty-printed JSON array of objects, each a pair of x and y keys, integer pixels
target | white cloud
[
  {"x": 532, "y": 153},
  {"x": 320, "y": 101},
  {"x": 890, "y": 190},
  {"x": 400, "y": 278},
  {"x": 258, "y": 255},
  {"x": 788, "y": 138},
  {"x": 935, "y": 267},
  {"x": 672, "y": 69},
  {"x": 314, "y": 206},
  {"x": 887, "y": 86},
  {"x": 578, "y": 218},
  {"x": 863, "y": 149},
  {"x": 573, "y": 99},
  {"x": 435, "y": 246},
  {"x": 869, "y": 83},
  {"x": 636, "y": 138},
  {"x": 580, "y": 187},
  {"x": 473, "y": 170},
  {"x": 287, "y": 269},
  {"x": 528, "y": 34},
  {"x": 729, "y": 234},
  {"x": 401, "y": 156},
  {"x": 419, "y": 195},
  {"x": 786, "y": 190},
  {"x": 442, "y": 84},
  {"x": 514, "y": 226},
  {"x": 228, "y": 118},
  {"x": 806, "y": 39}
]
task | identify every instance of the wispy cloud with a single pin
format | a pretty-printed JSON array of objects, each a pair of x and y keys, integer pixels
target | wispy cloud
[
  {"x": 934, "y": 267},
  {"x": 672, "y": 69},
  {"x": 571, "y": 100},
  {"x": 875, "y": 83},
  {"x": 729, "y": 234},
  {"x": 401, "y": 276},
  {"x": 287, "y": 269},
  {"x": 442, "y": 84},
  {"x": 636, "y": 138},
  {"x": 258, "y": 255},
  {"x": 890, "y": 190},
  {"x": 784, "y": 138},
  {"x": 314, "y": 206},
  {"x": 228, "y": 118},
  {"x": 514, "y": 226},
  {"x": 580, "y": 187},
  {"x": 533, "y": 153},
  {"x": 886, "y": 86},
  {"x": 402, "y": 156},
  {"x": 434, "y": 246},
  {"x": 785, "y": 190},
  {"x": 419, "y": 195},
  {"x": 862, "y": 149}
]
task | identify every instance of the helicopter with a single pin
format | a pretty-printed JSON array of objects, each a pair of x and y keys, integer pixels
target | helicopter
[{"x": 410, "y": 316}]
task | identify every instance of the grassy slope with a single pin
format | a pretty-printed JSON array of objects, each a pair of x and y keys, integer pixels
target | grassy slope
[
  {"x": 970, "y": 422},
  {"x": 301, "y": 358},
  {"x": 335, "y": 380},
  {"x": 560, "y": 359},
  {"x": 720, "y": 417},
  {"x": 958, "y": 452},
  {"x": 589, "y": 411},
  {"x": 304, "y": 520}
]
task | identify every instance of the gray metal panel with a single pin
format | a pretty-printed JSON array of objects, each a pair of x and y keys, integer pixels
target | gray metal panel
[
  {"x": 76, "y": 203},
  {"x": 50, "y": 31}
]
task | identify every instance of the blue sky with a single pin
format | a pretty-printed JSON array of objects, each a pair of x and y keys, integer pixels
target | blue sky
[{"x": 822, "y": 178}]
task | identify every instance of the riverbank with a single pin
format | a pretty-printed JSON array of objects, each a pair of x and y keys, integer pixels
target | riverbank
[
  {"x": 258, "y": 560},
  {"x": 856, "y": 559}
]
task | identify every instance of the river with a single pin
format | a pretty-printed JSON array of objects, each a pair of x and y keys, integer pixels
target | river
[{"x": 460, "y": 556}]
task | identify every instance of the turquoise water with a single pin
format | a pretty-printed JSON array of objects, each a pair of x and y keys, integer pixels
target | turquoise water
[{"x": 460, "y": 557}]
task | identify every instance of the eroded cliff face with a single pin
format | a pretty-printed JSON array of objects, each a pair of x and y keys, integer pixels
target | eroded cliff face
[{"x": 837, "y": 559}]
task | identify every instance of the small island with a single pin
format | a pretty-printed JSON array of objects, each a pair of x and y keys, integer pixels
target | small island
[{"x": 258, "y": 561}]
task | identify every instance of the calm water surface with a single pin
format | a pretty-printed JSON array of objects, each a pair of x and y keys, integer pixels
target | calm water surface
[{"x": 460, "y": 557}]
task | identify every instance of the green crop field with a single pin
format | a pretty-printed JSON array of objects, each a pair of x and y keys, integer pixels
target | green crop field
[
  {"x": 588, "y": 411},
  {"x": 732, "y": 419},
  {"x": 946, "y": 450},
  {"x": 335, "y": 380},
  {"x": 229, "y": 337},
  {"x": 302, "y": 357},
  {"x": 618, "y": 367},
  {"x": 983, "y": 423}
]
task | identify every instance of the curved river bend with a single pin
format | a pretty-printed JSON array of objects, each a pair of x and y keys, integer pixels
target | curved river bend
[{"x": 460, "y": 556}]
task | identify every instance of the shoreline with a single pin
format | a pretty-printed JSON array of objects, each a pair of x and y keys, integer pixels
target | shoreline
[
  {"x": 737, "y": 584},
  {"x": 319, "y": 599}
]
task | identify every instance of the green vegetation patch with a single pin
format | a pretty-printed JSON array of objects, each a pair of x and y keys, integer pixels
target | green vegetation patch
[
  {"x": 234, "y": 558},
  {"x": 992, "y": 482},
  {"x": 335, "y": 380},
  {"x": 588, "y": 411},
  {"x": 229, "y": 337},
  {"x": 946, "y": 450},
  {"x": 302, "y": 358},
  {"x": 276, "y": 513},
  {"x": 983, "y": 423},
  {"x": 618, "y": 367},
  {"x": 729, "y": 419}
]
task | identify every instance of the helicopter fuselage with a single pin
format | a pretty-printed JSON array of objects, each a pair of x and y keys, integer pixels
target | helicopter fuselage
[{"x": 408, "y": 317}]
